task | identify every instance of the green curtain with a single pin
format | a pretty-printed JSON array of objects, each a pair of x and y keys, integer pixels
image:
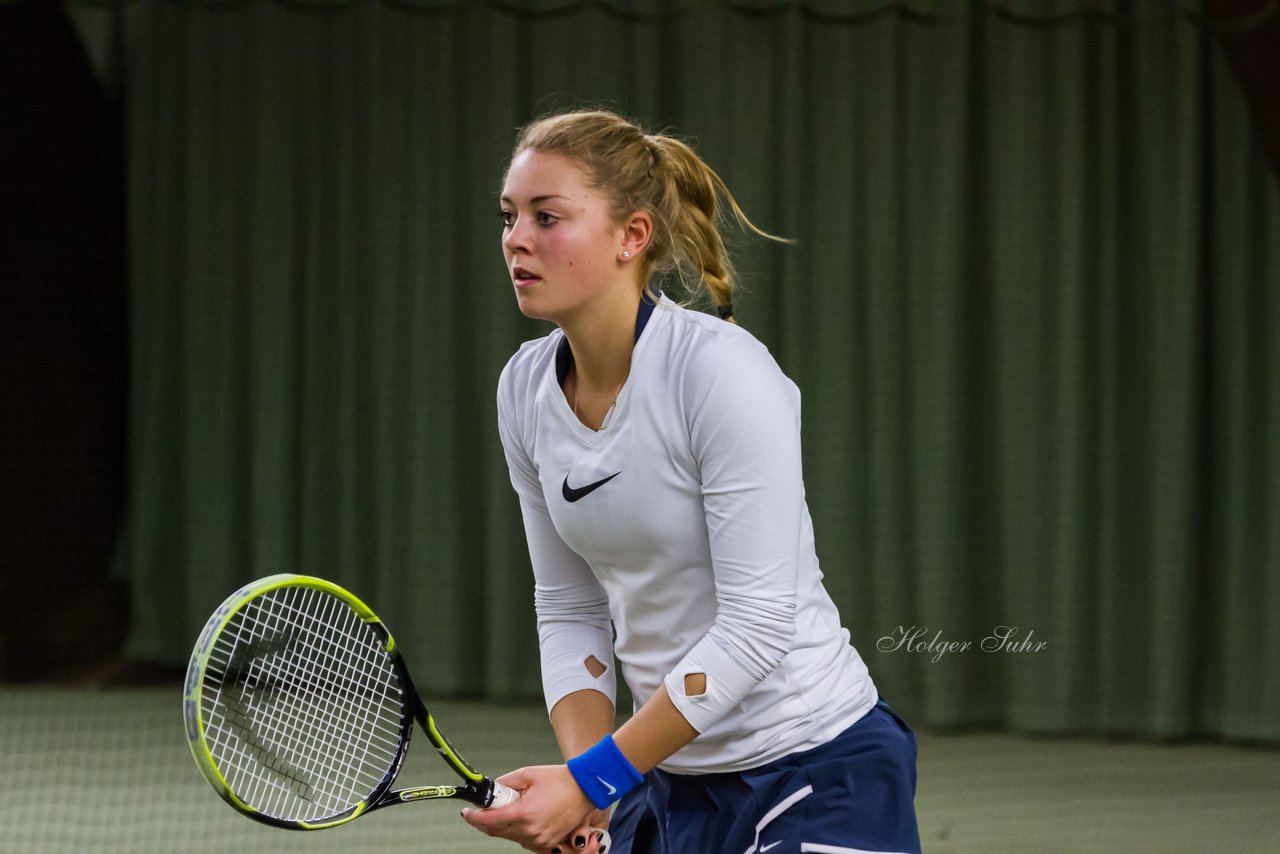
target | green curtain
[{"x": 1031, "y": 307}]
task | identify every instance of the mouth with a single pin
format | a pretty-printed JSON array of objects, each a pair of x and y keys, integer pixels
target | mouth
[{"x": 523, "y": 277}]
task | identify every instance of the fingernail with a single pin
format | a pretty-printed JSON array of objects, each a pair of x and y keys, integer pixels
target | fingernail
[{"x": 579, "y": 842}]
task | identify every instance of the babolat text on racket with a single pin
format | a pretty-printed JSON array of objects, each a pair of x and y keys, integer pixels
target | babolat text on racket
[{"x": 299, "y": 708}]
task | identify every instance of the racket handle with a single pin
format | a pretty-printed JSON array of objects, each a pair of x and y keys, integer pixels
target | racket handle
[{"x": 503, "y": 795}]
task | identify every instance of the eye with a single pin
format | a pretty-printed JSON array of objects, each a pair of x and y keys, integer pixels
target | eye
[
  {"x": 507, "y": 217},
  {"x": 545, "y": 218}
]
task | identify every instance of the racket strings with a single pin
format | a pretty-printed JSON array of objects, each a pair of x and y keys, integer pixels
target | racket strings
[
  {"x": 292, "y": 728},
  {"x": 292, "y": 725},
  {"x": 295, "y": 727},
  {"x": 303, "y": 706}
]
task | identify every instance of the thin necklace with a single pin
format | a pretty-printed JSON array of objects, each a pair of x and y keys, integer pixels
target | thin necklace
[{"x": 617, "y": 391}]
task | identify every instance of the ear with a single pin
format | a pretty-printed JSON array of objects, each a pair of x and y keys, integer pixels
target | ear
[{"x": 637, "y": 229}]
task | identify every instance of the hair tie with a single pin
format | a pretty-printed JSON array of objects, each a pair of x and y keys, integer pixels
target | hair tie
[
  {"x": 725, "y": 311},
  {"x": 652, "y": 147}
]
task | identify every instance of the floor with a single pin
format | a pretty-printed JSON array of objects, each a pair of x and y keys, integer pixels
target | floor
[{"x": 109, "y": 771}]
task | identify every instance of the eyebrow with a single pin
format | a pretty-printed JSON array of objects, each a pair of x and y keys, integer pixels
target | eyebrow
[{"x": 539, "y": 199}]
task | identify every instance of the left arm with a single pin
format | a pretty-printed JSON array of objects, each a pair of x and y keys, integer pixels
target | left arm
[{"x": 744, "y": 428}]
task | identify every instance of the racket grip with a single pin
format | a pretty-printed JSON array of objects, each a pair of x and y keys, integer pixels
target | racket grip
[{"x": 502, "y": 795}]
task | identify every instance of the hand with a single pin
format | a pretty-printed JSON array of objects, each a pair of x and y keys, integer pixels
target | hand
[{"x": 550, "y": 812}]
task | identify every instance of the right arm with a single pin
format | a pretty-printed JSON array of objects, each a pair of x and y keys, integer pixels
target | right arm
[
  {"x": 575, "y": 642},
  {"x": 575, "y": 630},
  {"x": 580, "y": 720}
]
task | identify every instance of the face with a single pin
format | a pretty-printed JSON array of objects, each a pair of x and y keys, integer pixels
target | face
[{"x": 560, "y": 244}]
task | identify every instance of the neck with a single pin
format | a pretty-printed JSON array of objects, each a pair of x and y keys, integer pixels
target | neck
[{"x": 602, "y": 345}]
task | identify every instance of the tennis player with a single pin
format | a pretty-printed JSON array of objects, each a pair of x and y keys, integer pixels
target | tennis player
[{"x": 656, "y": 454}]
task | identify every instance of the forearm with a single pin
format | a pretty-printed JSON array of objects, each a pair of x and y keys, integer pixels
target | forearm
[
  {"x": 605, "y": 768},
  {"x": 581, "y": 719},
  {"x": 654, "y": 733}
]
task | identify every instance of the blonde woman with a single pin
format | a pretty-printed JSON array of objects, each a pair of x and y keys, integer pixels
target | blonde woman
[{"x": 656, "y": 454}]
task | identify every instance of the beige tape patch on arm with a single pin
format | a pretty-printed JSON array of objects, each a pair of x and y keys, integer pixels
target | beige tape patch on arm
[{"x": 594, "y": 667}]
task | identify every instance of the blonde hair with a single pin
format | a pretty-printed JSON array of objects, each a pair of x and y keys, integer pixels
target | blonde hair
[{"x": 665, "y": 178}]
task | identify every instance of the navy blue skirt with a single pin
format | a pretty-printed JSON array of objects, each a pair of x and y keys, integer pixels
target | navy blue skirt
[{"x": 855, "y": 793}]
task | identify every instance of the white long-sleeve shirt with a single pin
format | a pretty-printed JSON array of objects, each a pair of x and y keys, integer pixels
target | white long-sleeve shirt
[{"x": 683, "y": 523}]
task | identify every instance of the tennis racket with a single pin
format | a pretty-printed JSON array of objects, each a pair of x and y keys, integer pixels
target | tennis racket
[{"x": 299, "y": 707}]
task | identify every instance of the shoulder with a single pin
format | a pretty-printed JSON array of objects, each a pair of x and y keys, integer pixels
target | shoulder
[
  {"x": 518, "y": 385},
  {"x": 706, "y": 349},
  {"x": 526, "y": 368},
  {"x": 698, "y": 336}
]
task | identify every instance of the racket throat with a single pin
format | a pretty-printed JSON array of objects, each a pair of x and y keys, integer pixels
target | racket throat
[
  {"x": 470, "y": 775},
  {"x": 480, "y": 795}
]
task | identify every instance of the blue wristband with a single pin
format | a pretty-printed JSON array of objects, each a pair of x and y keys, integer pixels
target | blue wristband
[{"x": 604, "y": 774}]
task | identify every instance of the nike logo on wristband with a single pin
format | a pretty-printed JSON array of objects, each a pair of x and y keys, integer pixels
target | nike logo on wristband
[
  {"x": 611, "y": 790},
  {"x": 571, "y": 494}
]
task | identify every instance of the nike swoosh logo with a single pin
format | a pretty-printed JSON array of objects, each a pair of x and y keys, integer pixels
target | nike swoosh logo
[
  {"x": 571, "y": 495},
  {"x": 612, "y": 791},
  {"x": 764, "y": 848}
]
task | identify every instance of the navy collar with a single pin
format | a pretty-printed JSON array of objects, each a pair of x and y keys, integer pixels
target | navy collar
[{"x": 564, "y": 356}]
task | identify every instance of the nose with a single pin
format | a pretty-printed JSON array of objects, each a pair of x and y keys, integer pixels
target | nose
[{"x": 516, "y": 238}]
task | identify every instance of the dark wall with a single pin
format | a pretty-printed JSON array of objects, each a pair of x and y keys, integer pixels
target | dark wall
[
  {"x": 1249, "y": 31},
  {"x": 63, "y": 350}
]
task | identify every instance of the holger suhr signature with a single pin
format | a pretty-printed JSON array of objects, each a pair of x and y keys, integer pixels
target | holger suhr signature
[{"x": 916, "y": 639}]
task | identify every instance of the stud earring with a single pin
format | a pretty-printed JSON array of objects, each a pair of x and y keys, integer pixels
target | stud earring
[{"x": 626, "y": 254}]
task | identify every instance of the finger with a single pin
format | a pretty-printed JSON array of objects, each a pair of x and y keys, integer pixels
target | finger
[
  {"x": 586, "y": 840},
  {"x": 489, "y": 821},
  {"x": 518, "y": 779},
  {"x": 578, "y": 838}
]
